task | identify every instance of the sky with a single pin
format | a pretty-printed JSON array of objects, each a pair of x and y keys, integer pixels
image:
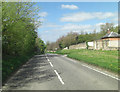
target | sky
[{"x": 60, "y": 18}]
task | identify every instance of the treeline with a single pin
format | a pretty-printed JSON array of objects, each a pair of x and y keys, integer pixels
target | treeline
[
  {"x": 73, "y": 38},
  {"x": 19, "y": 36}
]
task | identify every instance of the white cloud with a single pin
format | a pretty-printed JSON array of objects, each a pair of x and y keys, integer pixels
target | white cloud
[
  {"x": 75, "y": 27},
  {"x": 60, "y": 30},
  {"x": 43, "y": 14},
  {"x": 116, "y": 19},
  {"x": 50, "y": 25},
  {"x": 41, "y": 19},
  {"x": 99, "y": 24},
  {"x": 115, "y": 25},
  {"x": 82, "y": 16},
  {"x": 71, "y": 7}
]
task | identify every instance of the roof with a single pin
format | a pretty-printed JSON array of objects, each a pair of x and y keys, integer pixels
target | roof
[{"x": 111, "y": 35}]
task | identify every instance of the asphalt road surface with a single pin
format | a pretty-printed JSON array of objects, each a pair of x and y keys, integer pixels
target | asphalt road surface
[{"x": 57, "y": 72}]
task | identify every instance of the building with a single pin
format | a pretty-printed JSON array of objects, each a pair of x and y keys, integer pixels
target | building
[{"x": 111, "y": 41}]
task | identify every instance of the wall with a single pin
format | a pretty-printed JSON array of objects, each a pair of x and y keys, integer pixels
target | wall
[
  {"x": 114, "y": 43},
  {"x": 90, "y": 45},
  {"x": 102, "y": 44},
  {"x": 107, "y": 44},
  {"x": 97, "y": 45},
  {"x": 65, "y": 48},
  {"x": 78, "y": 46}
]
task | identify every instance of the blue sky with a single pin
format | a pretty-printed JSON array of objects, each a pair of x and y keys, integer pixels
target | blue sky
[{"x": 59, "y": 18}]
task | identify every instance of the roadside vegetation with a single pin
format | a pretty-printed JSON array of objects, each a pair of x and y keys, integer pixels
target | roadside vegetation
[
  {"x": 19, "y": 37},
  {"x": 104, "y": 59},
  {"x": 73, "y": 38}
]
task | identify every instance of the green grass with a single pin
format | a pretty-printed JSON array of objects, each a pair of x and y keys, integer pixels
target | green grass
[
  {"x": 104, "y": 59},
  {"x": 10, "y": 64}
]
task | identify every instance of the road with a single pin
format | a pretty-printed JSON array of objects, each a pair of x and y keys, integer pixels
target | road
[{"x": 57, "y": 72}]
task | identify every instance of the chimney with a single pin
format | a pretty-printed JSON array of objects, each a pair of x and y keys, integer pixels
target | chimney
[{"x": 108, "y": 31}]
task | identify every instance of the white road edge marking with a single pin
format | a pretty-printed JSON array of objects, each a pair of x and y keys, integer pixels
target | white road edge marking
[
  {"x": 101, "y": 72},
  {"x": 51, "y": 64},
  {"x": 59, "y": 77}
]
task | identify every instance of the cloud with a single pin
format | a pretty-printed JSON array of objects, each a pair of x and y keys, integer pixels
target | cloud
[
  {"x": 43, "y": 14},
  {"x": 75, "y": 27},
  {"x": 60, "y": 30},
  {"x": 49, "y": 25},
  {"x": 115, "y": 25},
  {"x": 82, "y": 16},
  {"x": 42, "y": 19},
  {"x": 99, "y": 24},
  {"x": 71, "y": 7}
]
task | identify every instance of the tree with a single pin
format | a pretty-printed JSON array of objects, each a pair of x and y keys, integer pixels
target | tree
[
  {"x": 104, "y": 28},
  {"x": 40, "y": 46},
  {"x": 19, "y": 22}
]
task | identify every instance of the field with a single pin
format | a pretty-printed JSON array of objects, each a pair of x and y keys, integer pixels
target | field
[{"x": 103, "y": 59}]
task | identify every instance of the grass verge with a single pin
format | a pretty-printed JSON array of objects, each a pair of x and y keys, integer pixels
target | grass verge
[
  {"x": 105, "y": 59},
  {"x": 10, "y": 64}
]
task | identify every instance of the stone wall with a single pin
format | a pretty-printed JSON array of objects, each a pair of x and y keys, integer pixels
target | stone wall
[
  {"x": 90, "y": 45},
  {"x": 97, "y": 45},
  {"x": 78, "y": 46},
  {"x": 102, "y": 44},
  {"x": 106, "y": 45}
]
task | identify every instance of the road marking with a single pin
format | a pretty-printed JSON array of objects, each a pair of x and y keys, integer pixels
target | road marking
[
  {"x": 46, "y": 56},
  {"x": 101, "y": 72},
  {"x": 73, "y": 61},
  {"x": 59, "y": 77},
  {"x": 48, "y": 59},
  {"x": 51, "y": 64}
]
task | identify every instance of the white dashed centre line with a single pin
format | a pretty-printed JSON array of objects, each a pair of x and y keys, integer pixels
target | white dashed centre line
[
  {"x": 51, "y": 64},
  {"x": 101, "y": 72},
  {"x": 48, "y": 59},
  {"x": 59, "y": 77},
  {"x": 56, "y": 72}
]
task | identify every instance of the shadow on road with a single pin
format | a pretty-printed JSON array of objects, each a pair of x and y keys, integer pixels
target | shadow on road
[{"x": 35, "y": 70}]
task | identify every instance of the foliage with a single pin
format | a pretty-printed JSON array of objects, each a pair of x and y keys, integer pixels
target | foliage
[
  {"x": 73, "y": 38},
  {"x": 64, "y": 41},
  {"x": 40, "y": 46},
  {"x": 19, "y": 36},
  {"x": 11, "y": 64},
  {"x": 18, "y": 28}
]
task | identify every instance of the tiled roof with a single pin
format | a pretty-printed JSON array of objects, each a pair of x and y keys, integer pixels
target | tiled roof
[{"x": 111, "y": 35}]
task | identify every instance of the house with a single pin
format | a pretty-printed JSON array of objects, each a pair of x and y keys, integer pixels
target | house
[
  {"x": 111, "y": 41},
  {"x": 98, "y": 44}
]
